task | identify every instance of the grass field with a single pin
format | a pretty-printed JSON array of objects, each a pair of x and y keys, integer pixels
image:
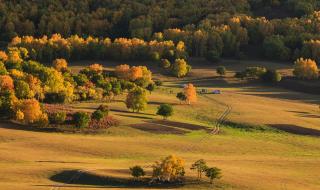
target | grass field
[{"x": 269, "y": 151}]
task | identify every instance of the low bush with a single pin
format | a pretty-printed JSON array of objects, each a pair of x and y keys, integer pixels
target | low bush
[{"x": 81, "y": 119}]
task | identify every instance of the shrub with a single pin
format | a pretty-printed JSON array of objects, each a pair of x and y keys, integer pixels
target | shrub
[
  {"x": 255, "y": 72},
  {"x": 104, "y": 123},
  {"x": 221, "y": 70},
  {"x": 57, "y": 117},
  {"x": 81, "y": 119},
  {"x": 97, "y": 115},
  {"x": 104, "y": 108},
  {"x": 271, "y": 76}
]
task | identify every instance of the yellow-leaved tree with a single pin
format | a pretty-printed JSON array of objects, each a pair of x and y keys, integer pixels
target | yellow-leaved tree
[
  {"x": 306, "y": 69},
  {"x": 169, "y": 169}
]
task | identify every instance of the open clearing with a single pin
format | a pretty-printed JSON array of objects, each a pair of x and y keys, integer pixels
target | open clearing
[{"x": 250, "y": 157}]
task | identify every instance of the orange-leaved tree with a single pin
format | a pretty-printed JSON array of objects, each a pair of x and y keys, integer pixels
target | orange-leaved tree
[
  {"x": 135, "y": 73},
  {"x": 190, "y": 93},
  {"x": 29, "y": 110},
  {"x": 6, "y": 83}
]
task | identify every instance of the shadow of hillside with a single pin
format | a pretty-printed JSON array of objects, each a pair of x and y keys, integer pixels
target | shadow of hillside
[{"x": 297, "y": 130}]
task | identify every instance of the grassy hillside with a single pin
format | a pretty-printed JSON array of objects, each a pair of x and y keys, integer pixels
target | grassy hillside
[{"x": 251, "y": 156}]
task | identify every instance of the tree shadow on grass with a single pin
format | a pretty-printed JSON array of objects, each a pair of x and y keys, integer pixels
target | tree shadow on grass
[
  {"x": 305, "y": 114},
  {"x": 134, "y": 116},
  {"x": 77, "y": 177},
  {"x": 126, "y": 111},
  {"x": 16, "y": 126}
]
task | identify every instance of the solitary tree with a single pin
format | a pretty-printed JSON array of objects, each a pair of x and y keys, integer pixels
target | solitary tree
[
  {"x": 191, "y": 93},
  {"x": 137, "y": 172},
  {"x": 200, "y": 166},
  {"x": 136, "y": 99},
  {"x": 213, "y": 173},
  {"x": 165, "y": 110}
]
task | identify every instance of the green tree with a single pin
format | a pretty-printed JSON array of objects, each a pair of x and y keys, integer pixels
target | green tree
[
  {"x": 22, "y": 90},
  {"x": 165, "y": 110},
  {"x": 200, "y": 166},
  {"x": 137, "y": 172},
  {"x": 182, "y": 97},
  {"x": 136, "y": 99},
  {"x": 180, "y": 68},
  {"x": 213, "y": 173}
]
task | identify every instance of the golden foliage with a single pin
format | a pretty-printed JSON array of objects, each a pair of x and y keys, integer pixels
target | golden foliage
[
  {"x": 3, "y": 56},
  {"x": 122, "y": 71},
  {"x": 31, "y": 110},
  {"x": 60, "y": 64},
  {"x": 169, "y": 169},
  {"x": 306, "y": 69},
  {"x": 96, "y": 68},
  {"x": 6, "y": 83},
  {"x": 191, "y": 93}
]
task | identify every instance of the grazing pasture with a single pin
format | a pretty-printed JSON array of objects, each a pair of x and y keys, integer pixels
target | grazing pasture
[{"x": 269, "y": 140}]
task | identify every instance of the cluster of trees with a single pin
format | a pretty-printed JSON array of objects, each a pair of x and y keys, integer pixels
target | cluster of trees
[
  {"x": 78, "y": 48},
  {"x": 25, "y": 84},
  {"x": 171, "y": 170},
  {"x": 262, "y": 73},
  {"x": 179, "y": 68},
  {"x": 208, "y": 28},
  {"x": 125, "y": 18}
]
